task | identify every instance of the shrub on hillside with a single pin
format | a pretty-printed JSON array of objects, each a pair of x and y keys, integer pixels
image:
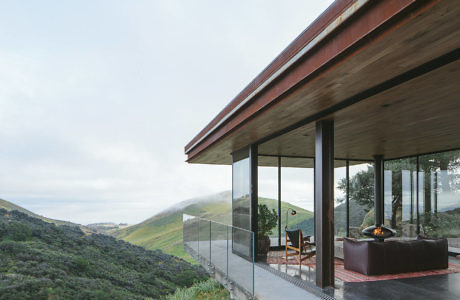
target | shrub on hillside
[{"x": 40, "y": 260}]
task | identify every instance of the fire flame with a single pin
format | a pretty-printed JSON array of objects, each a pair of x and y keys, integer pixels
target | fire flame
[{"x": 378, "y": 231}]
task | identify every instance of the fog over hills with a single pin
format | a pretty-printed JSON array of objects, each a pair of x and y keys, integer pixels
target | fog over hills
[{"x": 164, "y": 230}]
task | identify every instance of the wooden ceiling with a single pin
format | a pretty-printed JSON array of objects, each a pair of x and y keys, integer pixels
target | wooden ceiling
[{"x": 418, "y": 116}]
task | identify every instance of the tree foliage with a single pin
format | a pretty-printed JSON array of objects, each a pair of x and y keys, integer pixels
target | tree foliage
[
  {"x": 362, "y": 184},
  {"x": 267, "y": 220},
  {"x": 361, "y": 187}
]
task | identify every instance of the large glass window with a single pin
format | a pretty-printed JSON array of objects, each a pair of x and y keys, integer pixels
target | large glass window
[
  {"x": 241, "y": 203},
  {"x": 439, "y": 195},
  {"x": 361, "y": 197},
  {"x": 297, "y": 194},
  {"x": 340, "y": 205},
  {"x": 400, "y": 199},
  {"x": 268, "y": 200}
]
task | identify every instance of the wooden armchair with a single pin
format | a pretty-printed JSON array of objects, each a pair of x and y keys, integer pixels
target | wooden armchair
[{"x": 301, "y": 245}]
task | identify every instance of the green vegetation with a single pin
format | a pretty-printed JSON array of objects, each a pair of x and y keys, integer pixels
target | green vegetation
[
  {"x": 267, "y": 220},
  {"x": 39, "y": 260},
  {"x": 209, "y": 289},
  {"x": 302, "y": 217},
  {"x": 164, "y": 231}
]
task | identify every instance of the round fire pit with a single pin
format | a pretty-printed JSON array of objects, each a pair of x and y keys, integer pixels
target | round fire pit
[{"x": 379, "y": 232}]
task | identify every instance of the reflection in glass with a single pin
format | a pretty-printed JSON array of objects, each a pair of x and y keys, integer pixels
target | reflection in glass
[
  {"x": 268, "y": 195},
  {"x": 400, "y": 205},
  {"x": 297, "y": 192},
  {"x": 340, "y": 205},
  {"x": 241, "y": 203},
  {"x": 361, "y": 197},
  {"x": 439, "y": 198}
]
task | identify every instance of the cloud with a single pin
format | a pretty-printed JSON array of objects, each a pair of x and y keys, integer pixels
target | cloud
[{"x": 99, "y": 98}]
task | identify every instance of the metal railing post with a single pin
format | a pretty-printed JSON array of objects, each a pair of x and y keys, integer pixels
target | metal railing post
[
  {"x": 209, "y": 246},
  {"x": 226, "y": 278},
  {"x": 198, "y": 238},
  {"x": 253, "y": 262}
]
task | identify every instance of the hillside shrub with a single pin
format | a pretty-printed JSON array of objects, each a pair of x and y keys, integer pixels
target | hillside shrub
[{"x": 40, "y": 260}]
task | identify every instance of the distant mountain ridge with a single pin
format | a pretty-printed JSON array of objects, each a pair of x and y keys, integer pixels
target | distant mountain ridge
[{"x": 9, "y": 206}]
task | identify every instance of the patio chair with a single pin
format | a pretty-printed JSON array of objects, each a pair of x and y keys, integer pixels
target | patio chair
[{"x": 302, "y": 246}]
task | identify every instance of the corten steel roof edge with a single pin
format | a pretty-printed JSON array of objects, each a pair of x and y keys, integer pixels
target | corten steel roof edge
[
  {"x": 318, "y": 25},
  {"x": 369, "y": 19}
]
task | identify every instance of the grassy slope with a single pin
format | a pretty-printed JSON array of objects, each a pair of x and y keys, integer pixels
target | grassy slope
[
  {"x": 11, "y": 206},
  {"x": 164, "y": 231}
]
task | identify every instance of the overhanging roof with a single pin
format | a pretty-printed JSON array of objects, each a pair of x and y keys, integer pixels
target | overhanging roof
[{"x": 380, "y": 69}]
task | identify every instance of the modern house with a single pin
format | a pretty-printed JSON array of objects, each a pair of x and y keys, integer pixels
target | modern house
[{"x": 366, "y": 101}]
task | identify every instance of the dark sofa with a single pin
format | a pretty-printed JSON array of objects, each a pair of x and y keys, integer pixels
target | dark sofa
[{"x": 395, "y": 256}]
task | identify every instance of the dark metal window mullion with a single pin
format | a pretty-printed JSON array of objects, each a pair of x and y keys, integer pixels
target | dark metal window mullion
[
  {"x": 347, "y": 164},
  {"x": 417, "y": 195},
  {"x": 279, "y": 200}
]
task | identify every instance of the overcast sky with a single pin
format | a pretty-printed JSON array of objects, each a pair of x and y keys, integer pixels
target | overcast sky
[{"x": 99, "y": 98}]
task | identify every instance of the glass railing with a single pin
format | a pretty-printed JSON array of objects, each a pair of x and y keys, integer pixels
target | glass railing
[{"x": 221, "y": 248}]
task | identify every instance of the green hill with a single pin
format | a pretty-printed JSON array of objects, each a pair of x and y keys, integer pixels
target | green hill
[
  {"x": 164, "y": 230},
  {"x": 39, "y": 260},
  {"x": 11, "y": 206}
]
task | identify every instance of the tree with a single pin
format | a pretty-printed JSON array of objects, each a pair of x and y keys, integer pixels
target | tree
[
  {"x": 362, "y": 184},
  {"x": 267, "y": 220},
  {"x": 361, "y": 187}
]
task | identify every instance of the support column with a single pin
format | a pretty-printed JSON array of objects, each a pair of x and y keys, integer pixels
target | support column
[
  {"x": 347, "y": 195},
  {"x": 324, "y": 203},
  {"x": 378, "y": 189},
  {"x": 417, "y": 195},
  {"x": 279, "y": 200},
  {"x": 254, "y": 196}
]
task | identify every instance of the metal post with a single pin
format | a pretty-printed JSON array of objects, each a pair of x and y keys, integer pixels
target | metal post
[
  {"x": 226, "y": 278},
  {"x": 254, "y": 190},
  {"x": 378, "y": 189},
  {"x": 253, "y": 263},
  {"x": 210, "y": 245},
  {"x": 435, "y": 184},
  {"x": 198, "y": 238},
  {"x": 411, "y": 197},
  {"x": 347, "y": 178},
  {"x": 279, "y": 200},
  {"x": 417, "y": 195},
  {"x": 324, "y": 203}
]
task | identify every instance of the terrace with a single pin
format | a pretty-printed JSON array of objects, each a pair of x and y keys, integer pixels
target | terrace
[
  {"x": 354, "y": 124},
  {"x": 210, "y": 243}
]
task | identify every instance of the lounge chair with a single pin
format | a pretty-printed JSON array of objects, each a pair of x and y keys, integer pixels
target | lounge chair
[{"x": 302, "y": 246}]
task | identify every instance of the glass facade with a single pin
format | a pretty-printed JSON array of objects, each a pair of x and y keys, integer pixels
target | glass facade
[
  {"x": 361, "y": 194},
  {"x": 241, "y": 206},
  {"x": 439, "y": 194},
  {"x": 400, "y": 196},
  {"x": 297, "y": 193},
  {"x": 421, "y": 196},
  {"x": 268, "y": 197},
  {"x": 340, "y": 199},
  {"x": 433, "y": 179}
]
